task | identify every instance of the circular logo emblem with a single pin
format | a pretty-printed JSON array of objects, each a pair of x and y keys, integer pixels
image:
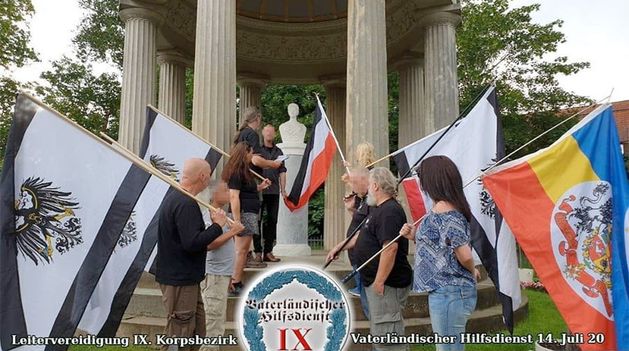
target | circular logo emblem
[
  {"x": 294, "y": 308},
  {"x": 581, "y": 227}
]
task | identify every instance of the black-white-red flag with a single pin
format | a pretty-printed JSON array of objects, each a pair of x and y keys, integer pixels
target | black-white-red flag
[{"x": 316, "y": 163}]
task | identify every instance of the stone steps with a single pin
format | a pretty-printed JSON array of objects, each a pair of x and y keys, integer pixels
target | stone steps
[
  {"x": 145, "y": 313},
  {"x": 147, "y": 302},
  {"x": 337, "y": 269},
  {"x": 482, "y": 320}
]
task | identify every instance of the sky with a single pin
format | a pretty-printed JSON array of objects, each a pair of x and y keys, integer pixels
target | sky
[{"x": 595, "y": 32}]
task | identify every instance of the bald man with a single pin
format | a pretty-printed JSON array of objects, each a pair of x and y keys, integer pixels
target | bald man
[
  {"x": 264, "y": 241},
  {"x": 182, "y": 244}
]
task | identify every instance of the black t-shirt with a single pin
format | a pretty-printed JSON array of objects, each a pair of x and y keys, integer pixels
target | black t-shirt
[
  {"x": 272, "y": 153},
  {"x": 182, "y": 241},
  {"x": 249, "y": 200},
  {"x": 384, "y": 224},
  {"x": 362, "y": 211},
  {"x": 251, "y": 137}
]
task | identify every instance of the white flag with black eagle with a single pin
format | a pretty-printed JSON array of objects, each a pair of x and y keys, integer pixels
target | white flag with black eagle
[
  {"x": 66, "y": 198},
  {"x": 473, "y": 144},
  {"x": 166, "y": 145}
]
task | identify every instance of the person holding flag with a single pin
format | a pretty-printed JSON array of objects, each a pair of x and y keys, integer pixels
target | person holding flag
[
  {"x": 244, "y": 205},
  {"x": 444, "y": 266},
  {"x": 388, "y": 278},
  {"x": 219, "y": 267},
  {"x": 248, "y": 133},
  {"x": 182, "y": 245},
  {"x": 356, "y": 204}
]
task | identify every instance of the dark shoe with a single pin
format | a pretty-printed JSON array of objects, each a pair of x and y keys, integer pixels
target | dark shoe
[{"x": 269, "y": 257}]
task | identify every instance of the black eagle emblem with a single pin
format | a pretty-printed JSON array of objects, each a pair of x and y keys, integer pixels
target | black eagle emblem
[
  {"x": 165, "y": 166},
  {"x": 487, "y": 204},
  {"x": 45, "y": 221},
  {"x": 129, "y": 233}
]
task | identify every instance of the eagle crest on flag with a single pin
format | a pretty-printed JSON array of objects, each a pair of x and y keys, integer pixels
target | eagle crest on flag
[
  {"x": 43, "y": 214},
  {"x": 584, "y": 218},
  {"x": 487, "y": 204},
  {"x": 129, "y": 233},
  {"x": 165, "y": 166}
]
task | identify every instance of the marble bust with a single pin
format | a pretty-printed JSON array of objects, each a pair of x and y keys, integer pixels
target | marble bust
[{"x": 292, "y": 131}]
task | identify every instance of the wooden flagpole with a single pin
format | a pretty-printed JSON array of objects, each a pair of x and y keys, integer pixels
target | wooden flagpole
[
  {"x": 463, "y": 114},
  {"x": 153, "y": 171},
  {"x": 122, "y": 151},
  {"x": 200, "y": 138},
  {"x": 350, "y": 275},
  {"x": 482, "y": 173},
  {"x": 354, "y": 272}
]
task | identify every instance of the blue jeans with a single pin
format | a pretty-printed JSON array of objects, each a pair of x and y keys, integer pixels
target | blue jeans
[
  {"x": 450, "y": 307},
  {"x": 363, "y": 296}
]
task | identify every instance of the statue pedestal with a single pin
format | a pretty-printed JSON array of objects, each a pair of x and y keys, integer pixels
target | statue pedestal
[{"x": 292, "y": 227}]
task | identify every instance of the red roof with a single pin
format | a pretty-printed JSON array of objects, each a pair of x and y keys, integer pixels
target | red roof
[{"x": 621, "y": 113}]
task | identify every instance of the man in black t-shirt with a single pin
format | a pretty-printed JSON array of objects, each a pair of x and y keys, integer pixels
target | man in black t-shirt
[
  {"x": 182, "y": 244},
  {"x": 263, "y": 243},
  {"x": 356, "y": 204},
  {"x": 388, "y": 277}
]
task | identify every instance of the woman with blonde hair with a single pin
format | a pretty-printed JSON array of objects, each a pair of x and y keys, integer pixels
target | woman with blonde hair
[
  {"x": 365, "y": 154},
  {"x": 365, "y": 157}
]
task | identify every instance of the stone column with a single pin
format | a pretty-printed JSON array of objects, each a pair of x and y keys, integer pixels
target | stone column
[
  {"x": 214, "y": 100},
  {"x": 334, "y": 224},
  {"x": 172, "y": 84},
  {"x": 442, "y": 93},
  {"x": 138, "y": 74},
  {"x": 367, "y": 107},
  {"x": 250, "y": 93},
  {"x": 412, "y": 122}
]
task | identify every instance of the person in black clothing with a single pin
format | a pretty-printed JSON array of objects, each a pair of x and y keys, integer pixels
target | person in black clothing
[
  {"x": 249, "y": 124},
  {"x": 388, "y": 277},
  {"x": 356, "y": 204},
  {"x": 244, "y": 205},
  {"x": 270, "y": 199},
  {"x": 182, "y": 244}
]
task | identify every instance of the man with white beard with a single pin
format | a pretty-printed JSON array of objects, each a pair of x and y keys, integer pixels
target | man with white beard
[{"x": 388, "y": 277}]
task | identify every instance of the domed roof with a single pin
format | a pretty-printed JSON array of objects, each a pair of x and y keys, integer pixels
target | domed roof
[{"x": 292, "y": 10}]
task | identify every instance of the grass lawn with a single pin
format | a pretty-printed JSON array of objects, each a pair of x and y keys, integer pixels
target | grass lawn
[{"x": 543, "y": 318}]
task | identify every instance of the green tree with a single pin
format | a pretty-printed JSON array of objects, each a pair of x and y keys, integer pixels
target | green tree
[
  {"x": 15, "y": 52},
  {"x": 502, "y": 45},
  {"x": 100, "y": 35},
  {"x": 89, "y": 99},
  {"x": 15, "y": 34},
  {"x": 73, "y": 88}
]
